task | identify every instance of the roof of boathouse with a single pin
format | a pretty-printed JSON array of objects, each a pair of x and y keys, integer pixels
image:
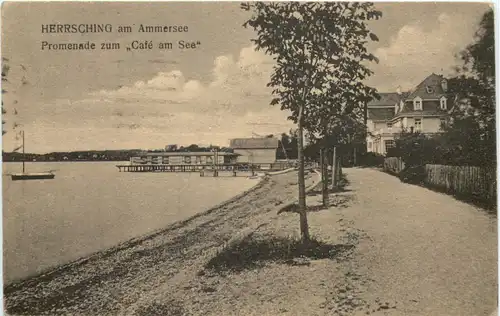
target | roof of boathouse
[
  {"x": 254, "y": 143},
  {"x": 189, "y": 153}
]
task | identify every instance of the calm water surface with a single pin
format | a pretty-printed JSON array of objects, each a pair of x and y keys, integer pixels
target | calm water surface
[{"x": 91, "y": 206}]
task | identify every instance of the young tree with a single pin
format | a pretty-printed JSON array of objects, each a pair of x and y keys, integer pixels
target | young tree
[{"x": 319, "y": 51}]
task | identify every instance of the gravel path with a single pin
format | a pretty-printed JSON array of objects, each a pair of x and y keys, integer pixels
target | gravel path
[
  {"x": 125, "y": 280},
  {"x": 432, "y": 254},
  {"x": 399, "y": 249}
]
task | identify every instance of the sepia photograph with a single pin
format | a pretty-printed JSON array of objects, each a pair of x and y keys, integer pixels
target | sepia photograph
[{"x": 249, "y": 158}]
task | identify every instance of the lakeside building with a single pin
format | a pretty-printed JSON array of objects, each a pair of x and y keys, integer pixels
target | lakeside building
[
  {"x": 255, "y": 150},
  {"x": 244, "y": 150},
  {"x": 185, "y": 158},
  {"x": 424, "y": 109}
]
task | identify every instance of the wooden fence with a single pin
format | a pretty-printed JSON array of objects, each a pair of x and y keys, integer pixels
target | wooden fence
[
  {"x": 477, "y": 182},
  {"x": 393, "y": 165},
  {"x": 462, "y": 180}
]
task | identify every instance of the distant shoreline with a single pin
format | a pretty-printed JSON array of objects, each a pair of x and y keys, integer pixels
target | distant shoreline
[{"x": 56, "y": 161}]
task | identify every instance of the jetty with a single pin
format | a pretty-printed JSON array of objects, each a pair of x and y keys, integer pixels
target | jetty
[{"x": 204, "y": 168}]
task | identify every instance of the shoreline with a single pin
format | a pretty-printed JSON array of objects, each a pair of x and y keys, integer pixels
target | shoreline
[
  {"x": 31, "y": 296},
  {"x": 130, "y": 242}
]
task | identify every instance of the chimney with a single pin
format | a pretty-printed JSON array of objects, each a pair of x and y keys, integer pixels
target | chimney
[
  {"x": 398, "y": 90},
  {"x": 444, "y": 85}
]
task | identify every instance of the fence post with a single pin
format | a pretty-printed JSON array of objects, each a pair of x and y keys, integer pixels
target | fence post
[{"x": 339, "y": 169}]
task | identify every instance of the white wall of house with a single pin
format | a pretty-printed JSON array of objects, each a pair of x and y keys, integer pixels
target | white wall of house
[
  {"x": 431, "y": 124},
  {"x": 256, "y": 155},
  {"x": 370, "y": 125},
  {"x": 379, "y": 125},
  {"x": 386, "y": 129},
  {"x": 427, "y": 124}
]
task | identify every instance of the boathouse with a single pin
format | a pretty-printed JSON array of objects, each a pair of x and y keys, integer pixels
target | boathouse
[
  {"x": 255, "y": 150},
  {"x": 185, "y": 158}
]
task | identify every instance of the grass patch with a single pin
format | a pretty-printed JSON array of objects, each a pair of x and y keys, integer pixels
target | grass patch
[{"x": 254, "y": 252}]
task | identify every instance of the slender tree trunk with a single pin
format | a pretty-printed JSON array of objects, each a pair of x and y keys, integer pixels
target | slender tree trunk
[
  {"x": 324, "y": 175},
  {"x": 334, "y": 168},
  {"x": 304, "y": 227},
  {"x": 339, "y": 167},
  {"x": 354, "y": 162}
]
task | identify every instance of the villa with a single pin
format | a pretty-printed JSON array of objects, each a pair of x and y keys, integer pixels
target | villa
[{"x": 424, "y": 109}]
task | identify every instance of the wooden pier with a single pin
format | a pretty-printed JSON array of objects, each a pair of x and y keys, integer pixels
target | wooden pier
[
  {"x": 162, "y": 168},
  {"x": 207, "y": 169}
]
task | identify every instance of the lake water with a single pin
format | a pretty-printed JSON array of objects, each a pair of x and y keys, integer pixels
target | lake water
[{"x": 90, "y": 206}]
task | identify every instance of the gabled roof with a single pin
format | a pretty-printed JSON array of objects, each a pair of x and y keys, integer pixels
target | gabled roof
[
  {"x": 434, "y": 83},
  {"x": 254, "y": 143},
  {"x": 386, "y": 99},
  {"x": 380, "y": 114}
]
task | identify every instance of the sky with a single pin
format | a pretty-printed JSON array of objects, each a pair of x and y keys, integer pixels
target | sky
[{"x": 120, "y": 99}]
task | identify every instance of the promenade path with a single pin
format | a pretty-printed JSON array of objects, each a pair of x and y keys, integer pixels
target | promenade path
[{"x": 432, "y": 254}]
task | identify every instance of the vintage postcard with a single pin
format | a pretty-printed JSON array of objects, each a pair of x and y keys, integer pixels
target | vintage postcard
[{"x": 249, "y": 158}]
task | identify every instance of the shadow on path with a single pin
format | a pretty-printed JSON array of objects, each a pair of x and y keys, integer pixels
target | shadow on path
[{"x": 253, "y": 252}]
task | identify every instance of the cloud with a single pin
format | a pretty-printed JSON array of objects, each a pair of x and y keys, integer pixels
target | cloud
[
  {"x": 167, "y": 108},
  {"x": 237, "y": 86},
  {"x": 414, "y": 52}
]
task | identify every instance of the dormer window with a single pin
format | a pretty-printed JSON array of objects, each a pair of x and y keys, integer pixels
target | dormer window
[
  {"x": 429, "y": 89},
  {"x": 417, "y": 104},
  {"x": 442, "y": 103}
]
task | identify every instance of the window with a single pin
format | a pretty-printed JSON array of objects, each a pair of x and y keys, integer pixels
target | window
[
  {"x": 442, "y": 103},
  {"x": 369, "y": 145},
  {"x": 442, "y": 122},
  {"x": 429, "y": 89},
  {"x": 389, "y": 144},
  {"x": 417, "y": 104},
  {"x": 389, "y": 125},
  {"x": 418, "y": 124}
]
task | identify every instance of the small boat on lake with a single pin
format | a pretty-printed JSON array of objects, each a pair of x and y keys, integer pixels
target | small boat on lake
[{"x": 33, "y": 175}]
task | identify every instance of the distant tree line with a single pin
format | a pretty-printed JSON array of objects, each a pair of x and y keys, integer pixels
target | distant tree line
[
  {"x": 287, "y": 146},
  {"x": 93, "y": 155}
]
